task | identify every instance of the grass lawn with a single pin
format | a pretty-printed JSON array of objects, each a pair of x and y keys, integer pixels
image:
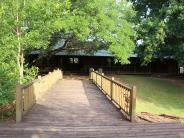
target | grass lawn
[{"x": 157, "y": 96}]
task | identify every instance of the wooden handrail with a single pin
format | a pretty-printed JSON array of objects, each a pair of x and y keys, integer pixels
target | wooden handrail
[
  {"x": 27, "y": 95},
  {"x": 114, "y": 81},
  {"x": 122, "y": 95}
]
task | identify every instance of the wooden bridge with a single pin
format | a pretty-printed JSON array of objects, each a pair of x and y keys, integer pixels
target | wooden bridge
[{"x": 72, "y": 108}]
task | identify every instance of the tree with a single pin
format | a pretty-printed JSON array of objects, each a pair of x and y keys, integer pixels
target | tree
[
  {"x": 160, "y": 26},
  {"x": 25, "y": 25},
  {"x": 96, "y": 24},
  {"x": 28, "y": 25}
]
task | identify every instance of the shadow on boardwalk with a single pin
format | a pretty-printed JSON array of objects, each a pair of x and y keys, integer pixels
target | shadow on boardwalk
[
  {"x": 74, "y": 103},
  {"x": 76, "y": 108}
]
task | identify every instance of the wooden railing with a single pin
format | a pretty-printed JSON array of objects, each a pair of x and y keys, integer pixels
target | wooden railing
[
  {"x": 122, "y": 95},
  {"x": 26, "y": 95}
]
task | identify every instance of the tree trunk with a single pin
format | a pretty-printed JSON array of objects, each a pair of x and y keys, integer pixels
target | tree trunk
[
  {"x": 21, "y": 70},
  {"x": 20, "y": 57}
]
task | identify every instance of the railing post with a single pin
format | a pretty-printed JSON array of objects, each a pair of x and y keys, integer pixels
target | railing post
[
  {"x": 133, "y": 104},
  {"x": 96, "y": 77},
  {"x": 90, "y": 73},
  {"x": 19, "y": 104},
  {"x": 111, "y": 94},
  {"x": 101, "y": 81},
  {"x": 61, "y": 74},
  {"x": 92, "y": 76},
  {"x": 39, "y": 77}
]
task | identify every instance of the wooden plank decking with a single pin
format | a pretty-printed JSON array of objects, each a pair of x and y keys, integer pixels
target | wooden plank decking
[
  {"x": 74, "y": 103},
  {"x": 77, "y": 108}
]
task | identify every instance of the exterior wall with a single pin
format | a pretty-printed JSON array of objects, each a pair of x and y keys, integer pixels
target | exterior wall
[{"x": 107, "y": 64}]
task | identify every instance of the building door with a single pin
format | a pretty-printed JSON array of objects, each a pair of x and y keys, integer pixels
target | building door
[{"x": 73, "y": 64}]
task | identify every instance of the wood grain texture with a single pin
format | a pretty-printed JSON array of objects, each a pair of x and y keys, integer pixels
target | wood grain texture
[
  {"x": 26, "y": 95},
  {"x": 122, "y": 95},
  {"x": 77, "y": 108}
]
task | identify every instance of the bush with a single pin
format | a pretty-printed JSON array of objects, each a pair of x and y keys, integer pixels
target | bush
[
  {"x": 8, "y": 81},
  {"x": 30, "y": 74}
]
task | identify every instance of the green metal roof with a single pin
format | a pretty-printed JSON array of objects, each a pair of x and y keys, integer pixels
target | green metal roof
[{"x": 100, "y": 53}]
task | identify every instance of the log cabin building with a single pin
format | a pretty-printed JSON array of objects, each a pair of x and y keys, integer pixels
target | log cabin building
[{"x": 79, "y": 62}]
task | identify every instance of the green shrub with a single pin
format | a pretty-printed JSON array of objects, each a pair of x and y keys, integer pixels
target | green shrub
[
  {"x": 30, "y": 74},
  {"x": 8, "y": 81}
]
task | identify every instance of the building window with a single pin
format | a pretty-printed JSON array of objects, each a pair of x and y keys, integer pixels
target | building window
[
  {"x": 76, "y": 60},
  {"x": 73, "y": 60}
]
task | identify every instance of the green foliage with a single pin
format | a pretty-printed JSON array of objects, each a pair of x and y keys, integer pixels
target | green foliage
[
  {"x": 151, "y": 31},
  {"x": 27, "y": 25},
  {"x": 30, "y": 74},
  {"x": 8, "y": 81},
  {"x": 8, "y": 72},
  {"x": 160, "y": 26},
  {"x": 104, "y": 24}
]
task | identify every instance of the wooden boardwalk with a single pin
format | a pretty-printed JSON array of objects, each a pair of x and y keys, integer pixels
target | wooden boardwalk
[{"x": 77, "y": 108}]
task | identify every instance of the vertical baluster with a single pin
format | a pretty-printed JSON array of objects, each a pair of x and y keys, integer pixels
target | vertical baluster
[
  {"x": 102, "y": 80},
  {"x": 111, "y": 86}
]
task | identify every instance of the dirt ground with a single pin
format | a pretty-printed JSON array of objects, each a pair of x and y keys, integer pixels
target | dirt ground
[
  {"x": 163, "y": 117},
  {"x": 154, "y": 118}
]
